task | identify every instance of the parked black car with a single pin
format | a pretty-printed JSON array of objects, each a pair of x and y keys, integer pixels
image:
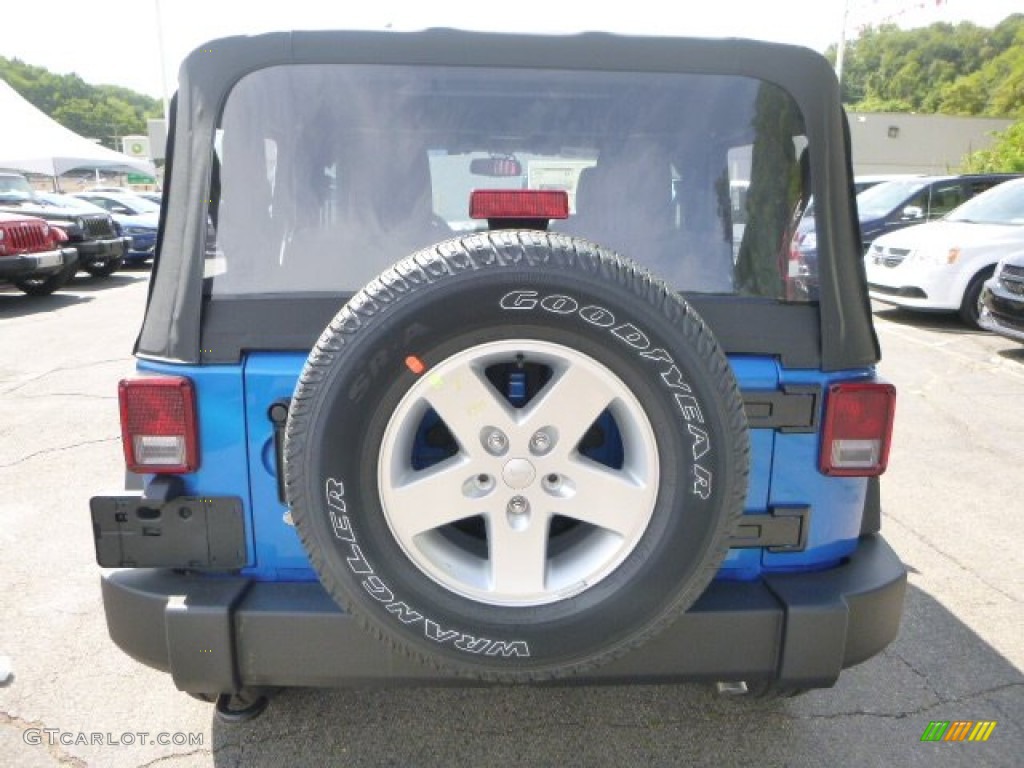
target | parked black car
[{"x": 1002, "y": 299}]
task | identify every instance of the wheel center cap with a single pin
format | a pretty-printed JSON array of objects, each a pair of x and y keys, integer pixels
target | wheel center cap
[{"x": 518, "y": 473}]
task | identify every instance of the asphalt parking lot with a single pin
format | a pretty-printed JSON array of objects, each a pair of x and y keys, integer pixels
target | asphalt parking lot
[{"x": 951, "y": 512}]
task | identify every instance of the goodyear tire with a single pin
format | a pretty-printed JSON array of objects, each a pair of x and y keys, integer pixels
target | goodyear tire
[{"x": 516, "y": 456}]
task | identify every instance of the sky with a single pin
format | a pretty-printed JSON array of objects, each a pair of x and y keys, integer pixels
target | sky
[{"x": 139, "y": 44}]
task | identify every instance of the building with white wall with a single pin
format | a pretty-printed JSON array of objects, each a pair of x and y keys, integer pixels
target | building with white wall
[{"x": 897, "y": 142}]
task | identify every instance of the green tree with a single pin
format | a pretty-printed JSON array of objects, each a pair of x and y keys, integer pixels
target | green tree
[
  {"x": 1006, "y": 155},
  {"x": 962, "y": 70},
  {"x": 103, "y": 112}
]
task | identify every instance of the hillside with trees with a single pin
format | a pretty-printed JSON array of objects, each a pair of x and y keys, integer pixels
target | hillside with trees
[
  {"x": 952, "y": 70},
  {"x": 104, "y": 112},
  {"x": 960, "y": 69}
]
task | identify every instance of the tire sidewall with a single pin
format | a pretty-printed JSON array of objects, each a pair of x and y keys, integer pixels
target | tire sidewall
[{"x": 679, "y": 384}]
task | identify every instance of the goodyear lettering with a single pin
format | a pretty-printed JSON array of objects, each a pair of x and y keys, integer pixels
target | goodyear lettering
[
  {"x": 701, "y": 482},
  {"x": 658, "y": 355},
  {"x": 632, "y": 335},
  {"x": 560, "y": 305},
  {"x": 701, "y": 444},
  {"x": 598, "y": 316},
  {"x": 690, "y": 408},
  {"x": 637, "y": 339},
  {"x": 519, "y": 300},
  {"x": 673, "y": 377}
]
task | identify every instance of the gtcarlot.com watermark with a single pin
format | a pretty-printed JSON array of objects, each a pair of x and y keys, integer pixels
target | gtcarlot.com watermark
[{"x": 53, "y": 737}]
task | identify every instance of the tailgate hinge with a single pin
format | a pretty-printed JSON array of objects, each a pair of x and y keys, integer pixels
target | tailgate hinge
[
  {"x": 783, "y": 529},
  {"x": 794, "y": 408}
]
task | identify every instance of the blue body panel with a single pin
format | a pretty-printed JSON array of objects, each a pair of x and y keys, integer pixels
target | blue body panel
[
  {"x": 270, "y": 377},
  {"x": 235, "y": 400},
  {"x": 223, "y": 466}
]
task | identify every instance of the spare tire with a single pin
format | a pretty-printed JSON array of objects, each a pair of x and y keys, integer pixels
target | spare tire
[{"x": 516, "y": 455}]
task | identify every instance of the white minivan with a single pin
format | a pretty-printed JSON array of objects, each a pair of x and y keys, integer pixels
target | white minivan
[{"x": 941, "y": 265}]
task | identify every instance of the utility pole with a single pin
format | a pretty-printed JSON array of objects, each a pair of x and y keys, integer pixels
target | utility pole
[
  {"x": 163, "y": 66},
  {"x": 841, "y": 50}
]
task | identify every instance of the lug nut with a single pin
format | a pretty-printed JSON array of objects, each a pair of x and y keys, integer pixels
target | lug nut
[
  {"x": 518, "y": 505},
  {"x": 541, "y": 442},
  {"x": 495, "y": 442}
]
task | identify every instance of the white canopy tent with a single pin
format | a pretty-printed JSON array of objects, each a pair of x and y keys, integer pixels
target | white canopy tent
[{"x": 32, "y": 142}]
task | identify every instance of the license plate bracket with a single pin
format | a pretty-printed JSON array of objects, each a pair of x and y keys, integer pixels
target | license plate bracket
[{"x": 185, "y": 532}]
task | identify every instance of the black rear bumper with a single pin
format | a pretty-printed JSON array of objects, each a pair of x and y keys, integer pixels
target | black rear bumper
[{"x": 219, "y": 635}]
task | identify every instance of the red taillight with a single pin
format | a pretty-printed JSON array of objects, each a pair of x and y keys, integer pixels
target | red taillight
[
  {"x": 519, "y": 204},
  {"x": 858, "y": 429},
  {"x": 158, "y": 424}
]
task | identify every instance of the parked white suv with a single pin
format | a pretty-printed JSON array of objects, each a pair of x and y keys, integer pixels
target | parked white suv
[{"x": 942, "y": 265}]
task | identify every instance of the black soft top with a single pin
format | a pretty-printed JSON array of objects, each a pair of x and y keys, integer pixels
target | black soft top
[{"x": 172, "y": 328}]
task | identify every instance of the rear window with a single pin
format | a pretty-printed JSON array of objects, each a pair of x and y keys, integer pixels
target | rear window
[{"x": 327, "y": 174}]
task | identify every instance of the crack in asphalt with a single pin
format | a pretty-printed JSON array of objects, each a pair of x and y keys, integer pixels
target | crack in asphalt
[
  {"x": 914, "y": 712},
  {"x": 176, "y": 756},
  {"x": 942, "y": 553},
  {"x": 914, "y": 670},
  {"x": 58, "y": 449},
  {"x": 65, "y": 394},
  {"x": 55, "y": 751},
  {"x": 63, "y": 368},
  {"x": 768, "y": 708}
]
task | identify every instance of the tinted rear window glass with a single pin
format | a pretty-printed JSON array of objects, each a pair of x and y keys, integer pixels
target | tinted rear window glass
[{"x": 327, "y": 174}]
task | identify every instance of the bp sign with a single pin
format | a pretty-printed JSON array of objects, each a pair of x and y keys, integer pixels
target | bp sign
[{"x": 135, "y": 146}]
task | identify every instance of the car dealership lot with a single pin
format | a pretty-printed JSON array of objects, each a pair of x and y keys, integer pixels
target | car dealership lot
[{"x": 951, "y": 512}]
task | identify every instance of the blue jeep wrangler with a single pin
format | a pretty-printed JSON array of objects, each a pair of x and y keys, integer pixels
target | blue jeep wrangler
[{"x": 457, "y": 362}]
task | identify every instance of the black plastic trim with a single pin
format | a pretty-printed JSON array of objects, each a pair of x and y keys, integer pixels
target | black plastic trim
[
  {"x": 278, "y": 415},
  {"x": 782, "y": 529},
  {"x": 799, "y": 629},
  {"x": 793, "y": 409},
  {"x": 871, "y": 520},
  {"x": 755, "y": 326},
  {"x": 279, "y": 323},
  {"x": 742, "y": 325}
]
